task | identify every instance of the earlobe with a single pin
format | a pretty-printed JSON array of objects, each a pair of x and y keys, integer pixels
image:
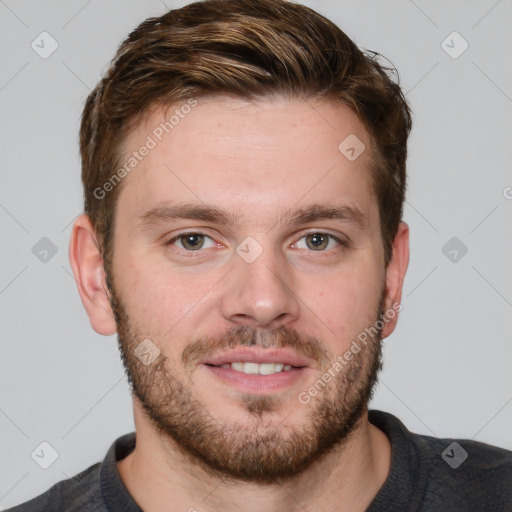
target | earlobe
[
  {"x": 87, "y": 264},
  {"x": 395, "y": 275}
]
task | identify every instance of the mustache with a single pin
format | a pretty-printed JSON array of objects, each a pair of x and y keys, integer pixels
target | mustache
[{"x": 245, "y": 336}]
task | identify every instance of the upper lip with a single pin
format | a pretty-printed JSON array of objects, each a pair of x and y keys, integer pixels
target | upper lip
[{"x": 253, "y": 355}]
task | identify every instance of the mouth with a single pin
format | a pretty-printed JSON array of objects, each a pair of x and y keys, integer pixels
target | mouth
[
  {"x": 250, "y": 368},
  {"x": 262, "y": 371}
]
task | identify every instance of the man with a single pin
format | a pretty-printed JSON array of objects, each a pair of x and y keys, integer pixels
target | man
[{"x": 244, "y": 176}]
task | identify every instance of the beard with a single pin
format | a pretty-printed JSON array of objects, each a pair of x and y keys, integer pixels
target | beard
[{"x": 255, "y": 451}]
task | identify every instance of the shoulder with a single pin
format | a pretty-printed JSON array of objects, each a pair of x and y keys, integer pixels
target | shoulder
[
  {"x": 479, "y": 472},
  {"x": 79, "y": 493},
  {"x": 454, "y": 474}
]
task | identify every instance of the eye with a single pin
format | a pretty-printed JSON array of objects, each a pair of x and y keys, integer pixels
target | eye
[
  {"x": 318, "y": 241},
  {"x": 192, "y": 241}
]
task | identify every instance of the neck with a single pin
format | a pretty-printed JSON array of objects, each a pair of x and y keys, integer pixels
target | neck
[{"x": 157, "y": 474}]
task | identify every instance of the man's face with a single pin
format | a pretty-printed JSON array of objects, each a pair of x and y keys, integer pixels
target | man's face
[{"x": 246, "y": 236}]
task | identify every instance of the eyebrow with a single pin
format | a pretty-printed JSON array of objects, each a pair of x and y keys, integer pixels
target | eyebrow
[{"x": 194, "y": 211}]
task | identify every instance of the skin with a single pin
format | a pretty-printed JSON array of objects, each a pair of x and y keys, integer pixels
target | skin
[{"x": 257, "y": 160}]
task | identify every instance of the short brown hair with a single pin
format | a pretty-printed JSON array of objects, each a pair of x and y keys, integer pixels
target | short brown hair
[{"x": 250, "y": 49}]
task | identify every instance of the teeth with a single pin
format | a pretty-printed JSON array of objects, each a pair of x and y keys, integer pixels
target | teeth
[
  {"x": 259, "y": 368},
  {"x": 251, "y": 368},
  {"x": 239, "y": 367},
  {"x": 267, "y": 368}
]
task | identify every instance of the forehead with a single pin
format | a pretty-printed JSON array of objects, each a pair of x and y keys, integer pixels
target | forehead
[{"x": 253, "y": 158}]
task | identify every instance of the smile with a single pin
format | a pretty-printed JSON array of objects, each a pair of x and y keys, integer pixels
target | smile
[{"x": 258, "y": 368}]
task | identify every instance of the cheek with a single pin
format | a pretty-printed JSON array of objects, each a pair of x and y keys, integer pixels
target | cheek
[
  {"x": 160, "y": 301},
  {"x": 343, "y": 304}
]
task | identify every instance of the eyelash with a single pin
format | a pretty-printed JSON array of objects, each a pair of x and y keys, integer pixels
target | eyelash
[{"x": 341, "y": 242}]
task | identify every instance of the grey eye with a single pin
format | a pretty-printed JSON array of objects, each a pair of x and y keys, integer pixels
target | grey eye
[
  {"x": 317, "y": 241},
  {"x": 192, "y": 241}
]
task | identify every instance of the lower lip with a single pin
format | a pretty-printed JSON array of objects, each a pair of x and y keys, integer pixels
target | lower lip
[{"x": 258, "y": 383}]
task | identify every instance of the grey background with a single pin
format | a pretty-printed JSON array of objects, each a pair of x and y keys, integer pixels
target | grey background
[{"x": 447, "y": 367}]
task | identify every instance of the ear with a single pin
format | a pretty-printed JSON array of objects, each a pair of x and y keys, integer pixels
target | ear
[
  {"x": 87, "y": 265},
  {"x": 395, "y": 274}
]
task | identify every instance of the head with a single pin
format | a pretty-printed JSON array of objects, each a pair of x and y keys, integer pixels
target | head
[{"x": 244, "y": 174}]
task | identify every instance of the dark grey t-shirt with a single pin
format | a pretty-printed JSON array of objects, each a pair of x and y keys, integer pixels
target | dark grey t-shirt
[{"x": 427, "y": 474}]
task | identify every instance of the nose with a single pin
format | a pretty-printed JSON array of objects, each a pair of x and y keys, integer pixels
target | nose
[{"x": 260, "y": 294}]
